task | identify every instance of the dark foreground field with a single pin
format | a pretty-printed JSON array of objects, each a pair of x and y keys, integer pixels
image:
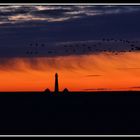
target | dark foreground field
[{"x": 73, "y": 113}]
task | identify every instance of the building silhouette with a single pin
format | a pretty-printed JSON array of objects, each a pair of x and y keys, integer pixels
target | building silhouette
[
  {"x": 56, "y": 90},
  {"x": 56, "y": 87},
  {"x": 47, "y": 90},
  {"x": 65, "y": 90}
]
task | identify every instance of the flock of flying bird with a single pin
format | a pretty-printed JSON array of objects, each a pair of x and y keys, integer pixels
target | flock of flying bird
[{"x": 82, "y": 47}]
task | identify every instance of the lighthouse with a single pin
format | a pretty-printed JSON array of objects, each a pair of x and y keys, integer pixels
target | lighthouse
[{"x": 56, "y": 90}]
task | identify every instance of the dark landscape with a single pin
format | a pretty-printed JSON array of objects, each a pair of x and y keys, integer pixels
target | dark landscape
[{"x": 73, "y": 113}]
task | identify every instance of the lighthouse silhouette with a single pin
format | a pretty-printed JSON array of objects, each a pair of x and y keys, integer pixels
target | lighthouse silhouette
[{"x": 56, "y": 89}]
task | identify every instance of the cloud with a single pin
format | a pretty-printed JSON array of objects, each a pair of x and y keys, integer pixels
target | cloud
[
  {"x": 70, "y": 25},
  {"x": 42, "y": 63},
  {"x": 93, "y": 75},
  {"x": 65, "y": 24},
  {"x": 128, "y": 68},
  {"x": 50, "y": 12},
  {"x": 22, "y": 14},
  {"x": 136, "y": 87},
  {"x": 97, "y": 89}
]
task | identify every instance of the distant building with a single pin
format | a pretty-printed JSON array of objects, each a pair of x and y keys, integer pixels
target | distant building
[
  {"x": 56, "y": 87},
  {"x": 56, "y": 90},
  {"x": 65, "y": 90},
  {"x": 47, "y": 90}
]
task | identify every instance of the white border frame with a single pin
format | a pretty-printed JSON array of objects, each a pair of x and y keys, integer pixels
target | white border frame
[
  {"x": 133, "y": 4},
  {"x": 70, "y": 4}
]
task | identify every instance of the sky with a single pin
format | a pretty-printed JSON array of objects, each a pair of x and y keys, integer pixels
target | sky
[{"x": 54, "y": 24}]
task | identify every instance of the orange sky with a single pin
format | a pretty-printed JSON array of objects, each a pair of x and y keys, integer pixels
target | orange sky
[{"x": 91, "y": 72}]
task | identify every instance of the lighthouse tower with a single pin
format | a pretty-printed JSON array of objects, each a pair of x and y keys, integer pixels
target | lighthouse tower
[{"x": 56, "y": 90}]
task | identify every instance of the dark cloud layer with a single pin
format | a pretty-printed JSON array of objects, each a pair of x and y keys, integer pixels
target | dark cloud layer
[
  {"x": 21, "y": 14},
  {"x": 25, "y": 24}
]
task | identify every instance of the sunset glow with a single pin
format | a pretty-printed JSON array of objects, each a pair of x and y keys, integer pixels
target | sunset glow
[{"x": 78, "y": 73}]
